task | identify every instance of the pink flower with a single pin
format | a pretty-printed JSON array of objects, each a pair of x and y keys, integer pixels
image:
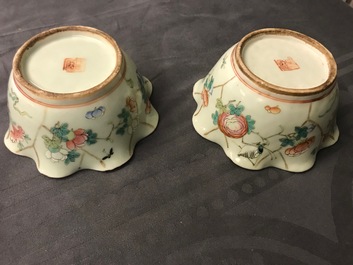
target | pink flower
[
  {"x": 76, "y": 139},
  {"x": 17, "y": 134},
  {"x": 232, "y": 125}
]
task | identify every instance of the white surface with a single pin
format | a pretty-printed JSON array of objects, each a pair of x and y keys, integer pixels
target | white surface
[
  {"x": 42, "y": 64},
  {"x": 259, "y": 55}
]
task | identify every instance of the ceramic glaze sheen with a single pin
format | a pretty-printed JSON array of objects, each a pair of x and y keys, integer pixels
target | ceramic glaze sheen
[
  {"x": 259, "y": 59},
  {"x": 76, "y": 101},
  {"x": 271, "y": 100},
  {"x": 45, "y": 69}
]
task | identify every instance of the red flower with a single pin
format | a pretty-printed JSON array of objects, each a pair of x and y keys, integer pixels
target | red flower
[
  {"x": 17, "y": 134},
  {"x": 76, "y": 139},
  {"x": 232, "y": 125}
]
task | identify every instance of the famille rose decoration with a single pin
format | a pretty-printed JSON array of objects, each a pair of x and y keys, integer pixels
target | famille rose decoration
[
  {"x": 76, "y": 101},
  {"x": 270, "y": 101}
]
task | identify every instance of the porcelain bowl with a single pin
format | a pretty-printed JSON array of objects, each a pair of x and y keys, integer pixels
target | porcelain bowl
[
  {"x": 76, "y": 101},
  {"x": 270, "y": 101}
]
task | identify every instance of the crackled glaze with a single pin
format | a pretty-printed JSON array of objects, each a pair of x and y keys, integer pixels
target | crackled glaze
[
  {"x": 76, "y": 101},
  {"x": 270, "y": 100}
]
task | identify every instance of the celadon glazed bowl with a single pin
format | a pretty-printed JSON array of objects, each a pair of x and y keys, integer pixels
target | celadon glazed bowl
[
  {"x": 270, "y": 101},
  {"x": 76, "y": 101}
]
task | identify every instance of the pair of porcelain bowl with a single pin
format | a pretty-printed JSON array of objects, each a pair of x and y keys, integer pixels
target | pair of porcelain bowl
[{"x": 76, "y": 101}]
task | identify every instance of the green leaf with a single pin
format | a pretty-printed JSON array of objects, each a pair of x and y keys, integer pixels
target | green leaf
[
  {"x": 215, "y": 117},
  {"x": 92, "y": 137},
  {"x": 301, "y": 132},
  {"x": 121, "y": 130},
  {"x": 209, "y": 85},
  {"x": 60, "y": 131},
  {"x": 71, "y": 156},
  {"x": 236, "y": 110},
  {"x": 27, "y": 138},
  {"x": 251, "y": 123},
  {"x": 20, "y": 146},
  {"x": 286, "y": 141},
  {"x": 125, "y": 115}
]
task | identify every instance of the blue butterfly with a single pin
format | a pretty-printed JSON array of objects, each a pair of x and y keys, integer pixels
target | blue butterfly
[{"x": 96, "y": 113}]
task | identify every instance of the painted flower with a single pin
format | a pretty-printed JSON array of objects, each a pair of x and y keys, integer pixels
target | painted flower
[
  {"x": 300, "y": 148},
  {"x": 17, "y": 134},
  {"x": 60, "y": 155},
  {"x": 76, "y": 139},
  {"x": 131, "y": 104},
  {"x": 233, "y": 126},
  {"x": 204, "y": 97}
]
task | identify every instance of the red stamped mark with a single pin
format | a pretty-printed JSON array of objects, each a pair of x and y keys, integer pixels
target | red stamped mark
[
  {"x": 287, "y": 65},
  {"x": 74, "y": 65}
]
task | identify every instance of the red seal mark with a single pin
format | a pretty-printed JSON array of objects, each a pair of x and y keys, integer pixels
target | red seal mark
[
  {"x": 287, "y": 65},
  {"x": 74, "y": 65}
]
